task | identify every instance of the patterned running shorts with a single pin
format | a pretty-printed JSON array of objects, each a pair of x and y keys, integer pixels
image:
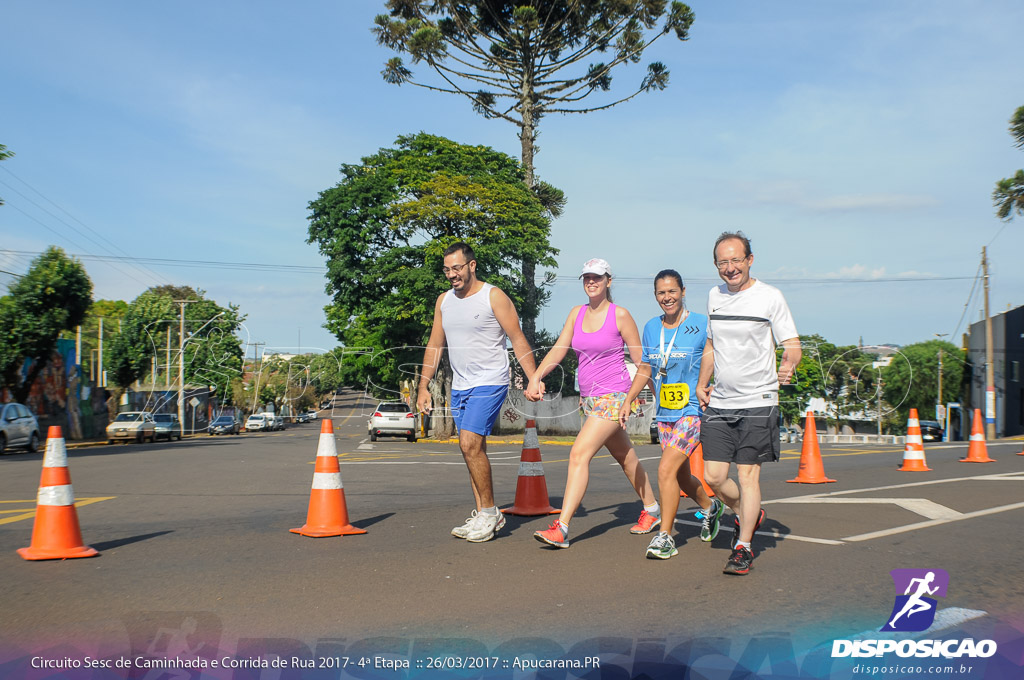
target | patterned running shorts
[
  {"x": 683, "y": 434},
  {"x": 605, "y": 406}
]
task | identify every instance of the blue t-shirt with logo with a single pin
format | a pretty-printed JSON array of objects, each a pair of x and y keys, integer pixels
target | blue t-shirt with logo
[{"x": 683, "y": 366}]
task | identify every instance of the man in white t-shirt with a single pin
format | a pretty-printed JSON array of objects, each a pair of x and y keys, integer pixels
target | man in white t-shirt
[
  {"x": 747, "y": 319},
  {"x": 474, "y": 319}
]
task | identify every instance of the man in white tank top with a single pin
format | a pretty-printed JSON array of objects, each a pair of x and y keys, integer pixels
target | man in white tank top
[{"x": 474, "y": 319}]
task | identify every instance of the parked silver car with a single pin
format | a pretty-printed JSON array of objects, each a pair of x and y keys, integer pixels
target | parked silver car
[
  {"x": 789, "y": 435},
  {"x": 18, "y": 427}
]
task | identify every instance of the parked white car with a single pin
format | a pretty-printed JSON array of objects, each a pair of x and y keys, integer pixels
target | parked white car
[
  {"x": 256, "y": 422},
  {"x": 137, "y": 426},
  {"x": 394, "y": 420}
]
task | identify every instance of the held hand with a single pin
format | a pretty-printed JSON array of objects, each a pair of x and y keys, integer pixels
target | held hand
[
  {"x": 534, "y": 390},
  {"x": 704, "y": 395}
]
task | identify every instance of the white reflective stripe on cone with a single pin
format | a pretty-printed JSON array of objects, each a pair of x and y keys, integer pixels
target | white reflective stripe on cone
[
  {"x": 527, "y": 469},
  {"x": 914, "y": 439},
  {"x": 530, "y": 439},
  {"x": 327, "y": 480},
  {"x": 977, "y": 437},
  {"x": 913, "y": 455},
  {"x": 56, "y": 453},
  {"x": 913, "y": 422},
  {"x": 326, "y": 447},
  {"x": 56, "y": 495}
]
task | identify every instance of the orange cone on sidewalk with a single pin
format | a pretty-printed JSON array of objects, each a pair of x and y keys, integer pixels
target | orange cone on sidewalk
[
  {"x": 913, "y": 452},
  {"x": 697, "y": 470},
  {"x": 532, "y": 488},
  {"x": 328, "y": 515},
  {"x": 811, "y": 469},
  {"x": 56, "y": 534},
  {"x": 977, "y": 450}
]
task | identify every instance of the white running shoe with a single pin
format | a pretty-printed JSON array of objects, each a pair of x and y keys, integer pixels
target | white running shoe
[
  {"x": 484, "y": 526},
  {"x": 463, "y": 529}
]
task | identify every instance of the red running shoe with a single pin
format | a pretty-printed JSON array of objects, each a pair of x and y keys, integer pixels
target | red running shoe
[{"x": 646, "y": 524}]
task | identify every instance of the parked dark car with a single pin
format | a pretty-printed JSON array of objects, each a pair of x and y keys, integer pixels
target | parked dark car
[
  {"x": 167, "y": 426},
  {"x": 654, "y": 432},
  {"x": 18, "y": 427},
  {"x": 224, "y": 425},
  {"x": 931, "y": 431}
]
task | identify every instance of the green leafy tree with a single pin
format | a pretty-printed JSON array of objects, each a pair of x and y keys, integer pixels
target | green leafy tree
[
  {"x": 912, "y": 377},
  {"x": 212, "y": 354},
  {"x": 144, "y": 322},
  {"x": 1008, "y": 195},
  {"x": 384, "y": 228},
  {"x": 833, "y": 373},
  {"x": 4, "y": 155},
  {"x": 53, "y": 296},
  {"x": 520, "y": 60}
]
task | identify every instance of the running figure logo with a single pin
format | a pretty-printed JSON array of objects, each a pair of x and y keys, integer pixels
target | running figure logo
[{"x": 914, "y": 609}]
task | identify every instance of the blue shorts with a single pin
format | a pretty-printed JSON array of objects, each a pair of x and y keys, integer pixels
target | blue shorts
[{"x": 477, "y": 409}]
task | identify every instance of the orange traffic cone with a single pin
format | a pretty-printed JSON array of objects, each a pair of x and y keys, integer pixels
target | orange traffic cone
[
  {"x": 913, "y": 453},
  {"x": 811, "y": 469},
  {"x": 977, "y": 450},
  {"x": 56, "y": 534},
  {"x": 697, "y": 470},
  {"x": 328, "y": 515},
  {"x": 532, "y": 488}
]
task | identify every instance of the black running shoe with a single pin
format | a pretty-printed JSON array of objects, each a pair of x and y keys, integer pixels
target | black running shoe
[
  {"x": 736, "y": 528},
  {"x": 740, "y": 562}
]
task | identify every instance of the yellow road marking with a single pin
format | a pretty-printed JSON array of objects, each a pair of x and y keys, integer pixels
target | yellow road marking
[{"x": 30, "y": 514}]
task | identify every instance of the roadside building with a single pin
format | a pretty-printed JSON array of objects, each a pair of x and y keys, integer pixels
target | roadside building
[{"x": 1008, "y": 356}]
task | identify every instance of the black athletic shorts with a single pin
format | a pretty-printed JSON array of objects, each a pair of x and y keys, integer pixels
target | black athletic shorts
[{"x": 745, "y": 436}]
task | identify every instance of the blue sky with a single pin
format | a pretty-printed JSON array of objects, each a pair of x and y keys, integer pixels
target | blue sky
[{"x": 854, "y": 142}]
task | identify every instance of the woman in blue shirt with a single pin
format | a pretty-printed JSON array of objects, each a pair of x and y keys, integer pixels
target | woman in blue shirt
[{"x": 673, "y": 344}]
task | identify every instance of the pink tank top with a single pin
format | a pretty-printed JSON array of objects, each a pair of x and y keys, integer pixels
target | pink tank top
[{"x": 602, "y": 363}]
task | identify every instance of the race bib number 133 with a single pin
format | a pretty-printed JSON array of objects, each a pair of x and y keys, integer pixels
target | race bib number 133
[{"x": 674, "y": 396}]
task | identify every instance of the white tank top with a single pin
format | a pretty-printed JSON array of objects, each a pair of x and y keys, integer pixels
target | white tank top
[{"x": 476, "y": 341}]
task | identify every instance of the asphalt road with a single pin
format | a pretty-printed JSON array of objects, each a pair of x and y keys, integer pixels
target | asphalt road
[{"x": 198, "y": 531}]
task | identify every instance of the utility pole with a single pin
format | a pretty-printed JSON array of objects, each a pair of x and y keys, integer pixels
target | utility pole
[
  {"x": 181, "y": 363},
  {"x": 100, "y": 382},
  {"x": 167, "y": 367},
  {"x": 259, "y": 374},
  {"x": 990, "y": 378}
]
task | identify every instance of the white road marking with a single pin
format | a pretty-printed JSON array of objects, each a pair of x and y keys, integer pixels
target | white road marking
[
  {"x": 934, "y": 523},
  {"x": 772, "y": 534},
  {"x": 920, "y": 506}
]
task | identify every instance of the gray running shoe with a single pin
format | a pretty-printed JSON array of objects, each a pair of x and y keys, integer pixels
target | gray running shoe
[
  {"x": 484, "y": 526},
  {"x": 463, "y": 529},
  {"x": 662, "y": 547},
  {"x": 712, "y": 520}
]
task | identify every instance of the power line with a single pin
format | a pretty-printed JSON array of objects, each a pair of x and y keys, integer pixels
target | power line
[
  {"x": 110, "y": 245},
  {"x": 308, "y": 269}
]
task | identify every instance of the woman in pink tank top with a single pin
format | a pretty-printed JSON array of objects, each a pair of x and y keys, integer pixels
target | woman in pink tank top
[{"x": 597, "y": 331}]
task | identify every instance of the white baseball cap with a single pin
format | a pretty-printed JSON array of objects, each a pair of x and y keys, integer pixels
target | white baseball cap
[{"x": 596, "y": 266}]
